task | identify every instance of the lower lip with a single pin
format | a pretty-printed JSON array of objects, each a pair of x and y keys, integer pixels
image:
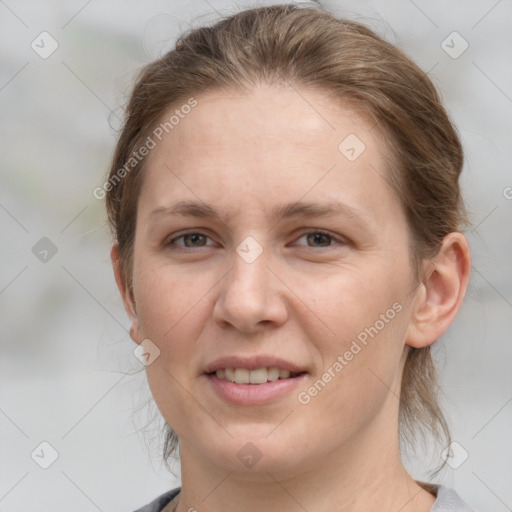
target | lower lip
[{"x": 254, "y": 394}]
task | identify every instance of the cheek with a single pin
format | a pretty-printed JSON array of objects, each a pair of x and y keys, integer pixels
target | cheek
[
  {"x": 358, "y": 303},
  {"x": 360, "y": 359},
  {"x": 167, "y": 301},
  {"x": 357, "y": 380},
  {"x": 171, "y": 308}
]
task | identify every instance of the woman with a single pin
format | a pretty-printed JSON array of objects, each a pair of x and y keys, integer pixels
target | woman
[{"x": 287, "y": 218}]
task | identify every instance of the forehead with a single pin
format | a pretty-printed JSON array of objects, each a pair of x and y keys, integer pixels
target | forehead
[
  {"x": 268, "y": 145},
  {"x": 270, "y": 116}
]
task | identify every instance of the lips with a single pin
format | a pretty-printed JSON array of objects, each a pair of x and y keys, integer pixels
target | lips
[
  {"x": 254, "y": 380},
  {"x": 253, "y": 363}
]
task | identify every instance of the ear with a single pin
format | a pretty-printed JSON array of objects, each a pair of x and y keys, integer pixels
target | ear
[
  {"x": 440, "y": 295},
  {"x": 126, "y": 294}
]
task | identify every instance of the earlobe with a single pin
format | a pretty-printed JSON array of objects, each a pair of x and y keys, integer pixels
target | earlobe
[
  {"x": 440, "y": 295},
  {"x": 126, "y": 295}
]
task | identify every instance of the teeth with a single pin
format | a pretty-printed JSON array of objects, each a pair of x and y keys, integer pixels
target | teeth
[
  {"x": 273, "y": 374},
  {"x": 242, "y": 376},
  {"x": 259, "y": 376},
  {"x": 284, "y": 374}
]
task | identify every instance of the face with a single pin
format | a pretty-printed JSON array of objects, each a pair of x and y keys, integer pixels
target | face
[{"x": 268, "y": 239}]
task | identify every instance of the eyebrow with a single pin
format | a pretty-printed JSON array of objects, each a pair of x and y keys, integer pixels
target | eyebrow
[{"x": 203, "y": 210}]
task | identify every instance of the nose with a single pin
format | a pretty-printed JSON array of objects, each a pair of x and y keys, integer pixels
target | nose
[{"x": 251, "y": 297}]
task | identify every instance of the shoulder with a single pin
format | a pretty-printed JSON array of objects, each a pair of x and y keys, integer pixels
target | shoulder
[
  {"x": 449, "y": 501},
  {"x": 159, "y": 503}
]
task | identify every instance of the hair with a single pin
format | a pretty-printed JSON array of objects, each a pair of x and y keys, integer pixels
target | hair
[{"x": 306, "y": 46}]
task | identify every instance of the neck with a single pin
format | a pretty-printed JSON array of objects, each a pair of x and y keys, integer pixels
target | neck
[{"x": 360, "y": 475}]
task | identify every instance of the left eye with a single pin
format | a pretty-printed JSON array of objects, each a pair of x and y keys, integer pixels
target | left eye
[{"x": 318, "y": 238}]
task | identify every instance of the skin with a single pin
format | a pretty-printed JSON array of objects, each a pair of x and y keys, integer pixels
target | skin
[{"x": 304, "y": 299}]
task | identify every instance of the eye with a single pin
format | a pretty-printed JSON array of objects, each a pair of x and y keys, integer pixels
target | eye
[
  {"x": 320, "y": 239},
  {"x": 190, "y": 240},
  {"x": 194, "y": 240}
]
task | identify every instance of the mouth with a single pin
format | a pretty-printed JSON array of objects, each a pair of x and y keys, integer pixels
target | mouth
[
  {"x": 257, "y": 376},
  {"x": 255, "y": 380}
]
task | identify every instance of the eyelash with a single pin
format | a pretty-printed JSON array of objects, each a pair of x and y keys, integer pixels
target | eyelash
[{"x": 170, "y": 243}]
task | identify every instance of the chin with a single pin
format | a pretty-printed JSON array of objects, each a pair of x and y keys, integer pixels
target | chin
[{"x": 252, "y": 453}]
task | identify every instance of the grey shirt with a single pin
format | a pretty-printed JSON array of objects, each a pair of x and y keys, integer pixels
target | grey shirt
[{"x": 447, "y": 501}]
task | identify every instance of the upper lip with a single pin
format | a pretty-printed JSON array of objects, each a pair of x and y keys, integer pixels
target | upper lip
[{"x": 253, "y": 363}]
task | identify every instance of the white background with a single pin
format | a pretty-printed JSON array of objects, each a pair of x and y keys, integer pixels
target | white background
[{"x": 67, "y": 372}]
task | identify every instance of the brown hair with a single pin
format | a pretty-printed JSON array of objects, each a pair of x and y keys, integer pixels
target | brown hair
[{"x": 309, "y": 47}]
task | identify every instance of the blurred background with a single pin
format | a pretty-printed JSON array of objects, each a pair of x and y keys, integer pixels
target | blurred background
[{"x": 78, "y": 430}]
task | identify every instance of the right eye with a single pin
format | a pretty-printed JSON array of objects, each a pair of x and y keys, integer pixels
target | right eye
[{"x": 191, "y": 240}]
